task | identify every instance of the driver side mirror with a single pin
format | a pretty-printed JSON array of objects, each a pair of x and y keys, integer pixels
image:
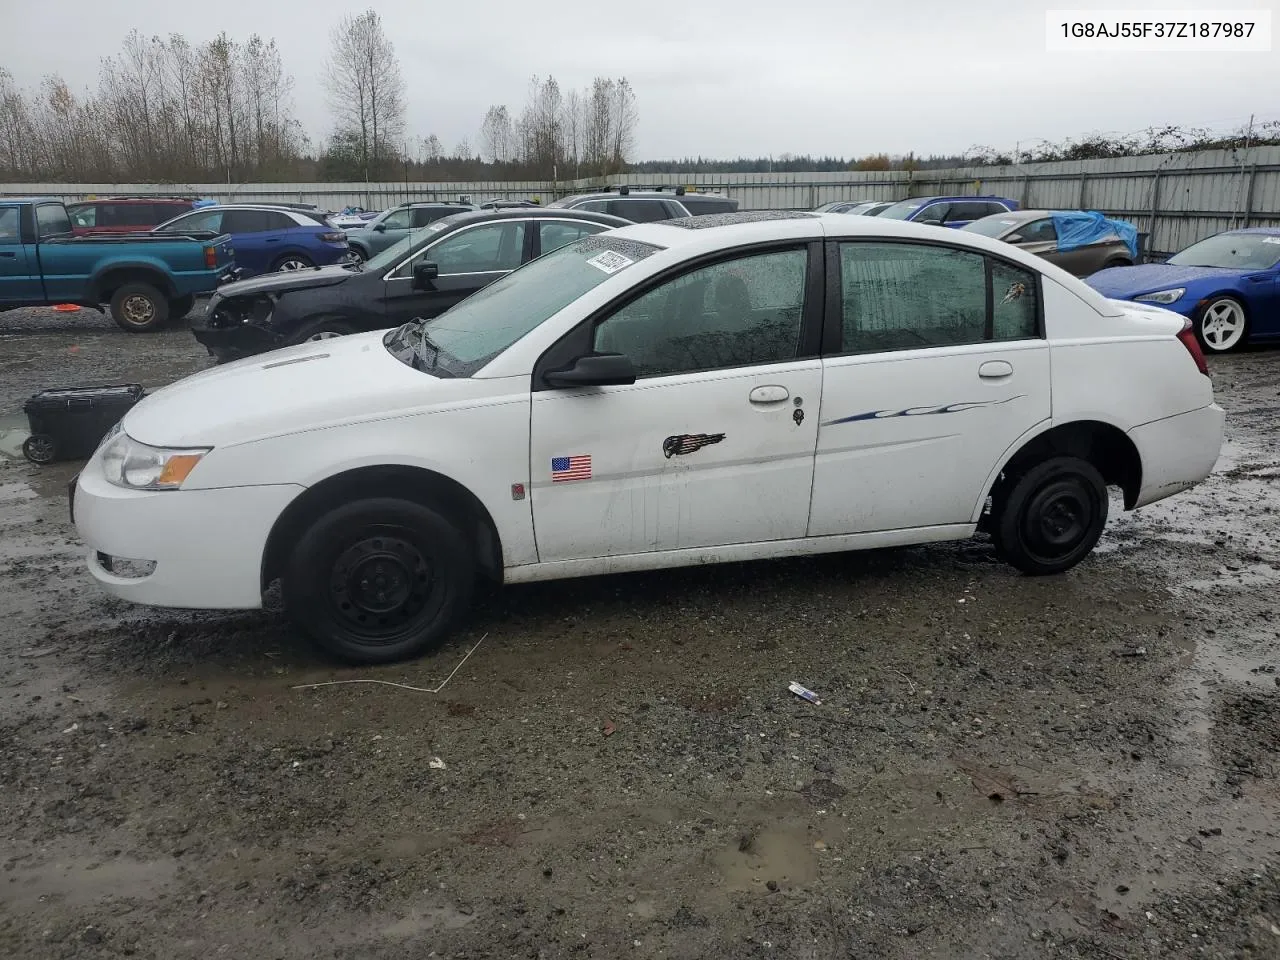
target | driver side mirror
[
  {"x": 379, "y": 228},
  {"x": 425, "y": 274},
  {"x": 1013, "y": 238},
  {"x": 594, "y": 370}
]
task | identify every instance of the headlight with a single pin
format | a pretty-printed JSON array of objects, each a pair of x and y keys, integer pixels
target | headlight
[
  {"x": 1162, "y": 296},
  {"x": 128, "y": 463}
]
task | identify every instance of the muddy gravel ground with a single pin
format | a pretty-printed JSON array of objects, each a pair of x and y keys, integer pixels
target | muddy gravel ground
[{"x": 1080, "y": 766}]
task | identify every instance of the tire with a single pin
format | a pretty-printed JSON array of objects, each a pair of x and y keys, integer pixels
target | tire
[
  {"x": 1051, "y": 516},
  {"x": 358, "y": 252},
  {"x": 320, "y": 330},
  {"x": 139, "y": 308},
  {"x": 40, "y": 448},
  {"x": 180, "y": 307},
  {"x": 292, "y": 261},
  {"x": 1222, "y": 325},
  {"x": 427, "y": 564}
]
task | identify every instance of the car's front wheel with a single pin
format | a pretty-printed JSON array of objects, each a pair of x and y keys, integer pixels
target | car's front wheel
[
  {"x": 1051, "y": 516},
  {"x": 378, "y": 580},
  {"x": 1222, "y": 324},
  {"x": 320, "y": 330}
]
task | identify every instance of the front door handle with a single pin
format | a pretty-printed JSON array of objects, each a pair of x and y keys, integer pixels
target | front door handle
[
  {"x": 769, "y": 394},
  {"x": 8, "y": 255},
  {"x": 995, "y": 370}
]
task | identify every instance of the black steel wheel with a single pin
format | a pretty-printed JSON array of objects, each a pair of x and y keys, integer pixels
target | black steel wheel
[
  {"x": 379, "y": 580},
  {"x": 40, "y": 448},
  {"x": 1052, "y": 516}
]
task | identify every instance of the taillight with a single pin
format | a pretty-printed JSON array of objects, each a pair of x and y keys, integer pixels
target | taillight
[
  {"x": 1188, "y": 337},
  {"x": 211, "y": 257},
  {"x": 338, "y": 237}
]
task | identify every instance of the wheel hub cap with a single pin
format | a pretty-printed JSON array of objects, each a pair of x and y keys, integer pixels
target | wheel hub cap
[
  {"x": 138, "y": 309},
  {"x": 1222, "y": 325},
  {"x": 380, "y": 582}
]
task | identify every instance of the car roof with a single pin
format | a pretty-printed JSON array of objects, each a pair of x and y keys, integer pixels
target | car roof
[
  {"x": 1264, "y": 231},
  {"x": 136, "y": 200},
  {"x": 529, "y": 213},
  {"x": 30, "y": 200},
  {"x": 985, "y": 196},
  {"x": 633, "y": 195}
]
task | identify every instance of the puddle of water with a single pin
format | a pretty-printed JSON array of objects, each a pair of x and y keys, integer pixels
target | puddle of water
[{"x": 82, "y": 882}]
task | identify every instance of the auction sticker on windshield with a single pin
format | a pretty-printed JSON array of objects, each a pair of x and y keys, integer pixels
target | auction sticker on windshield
[{"x": 609, "y": 261}]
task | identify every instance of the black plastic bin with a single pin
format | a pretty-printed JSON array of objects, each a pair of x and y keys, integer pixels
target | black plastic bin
[{"x": 70, "y": 422}]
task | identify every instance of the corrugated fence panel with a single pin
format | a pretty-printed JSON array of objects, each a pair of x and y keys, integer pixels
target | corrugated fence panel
[{"x": 1195, "y": 194}]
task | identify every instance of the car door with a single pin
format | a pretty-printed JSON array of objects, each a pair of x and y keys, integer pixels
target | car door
[
  {"x": 19, "y": 272},
  {"x": 256, "y": 243},
  {"x": 713, "y": 444},
  {"x": 941, "y": 367},
  {"x": 554, "y": 234},
  {"x": 468, "y": 259},
  {"x": 1041, "y": 238},
  {"x": 932, "y": 213}
]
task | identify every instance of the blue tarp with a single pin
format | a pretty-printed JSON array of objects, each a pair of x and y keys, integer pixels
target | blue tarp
[
  {"x": 204, "y": 203},
  {"x": 1077, "y": 228}
]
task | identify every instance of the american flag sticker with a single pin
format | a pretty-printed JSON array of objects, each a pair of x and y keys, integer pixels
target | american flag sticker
[{"x": 570, "y": 468}]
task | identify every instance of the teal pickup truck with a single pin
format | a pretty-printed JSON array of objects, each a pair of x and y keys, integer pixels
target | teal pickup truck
[{"x": 144, "y": 278}]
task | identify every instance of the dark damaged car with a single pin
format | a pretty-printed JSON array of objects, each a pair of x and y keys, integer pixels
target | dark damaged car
[{"x": 423, "y": 275}]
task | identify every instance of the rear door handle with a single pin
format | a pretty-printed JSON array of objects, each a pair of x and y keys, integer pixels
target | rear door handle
[
  {"x": 769, "y": 394},
  {"x": 8, "y": 255},
  {"x": 995, "y": 370}
]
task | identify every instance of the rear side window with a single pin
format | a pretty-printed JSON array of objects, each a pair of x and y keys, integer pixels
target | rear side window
[
  {"x": 639, "y": 211},
  {"x": 51, "y": 219},
  {"x": 701, "y": 206},
  {"x": 10, "y": 225},
  {"x": 246, "y": 221},
  {"x": 961, "y": 212},
  {"x": 1038, "y": 231},
  {"x": 594, "y": 206},
  {"x": 421, "y": 216},
  {"x": 280, "y": 221},
  {"x": 903, "y": 296},
  {"x": 996, "y": 208},
  {"x": 126, "y": 215}
]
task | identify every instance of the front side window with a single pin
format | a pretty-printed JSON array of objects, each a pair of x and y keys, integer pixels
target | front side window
[
  {"x": 52, "y": 219},
  {"x": 593, "y": 206},
  {"x": 933, "y": 213},
  {"x": 739, "y": 312},
  {"x": 85, "y": 216},
  {"x": 904, "y": 296},
  {"x": 555, "y": 234},
  {"x": 484, "y": 249},
  {"x": 206, "y": 221},
  {"x": 397, "y": 220}
]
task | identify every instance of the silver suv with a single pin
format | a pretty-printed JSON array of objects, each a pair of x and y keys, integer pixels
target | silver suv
[{"x": 646, "y": 206}]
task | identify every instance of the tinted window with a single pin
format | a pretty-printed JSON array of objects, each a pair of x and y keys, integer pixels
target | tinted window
[
  {"x": 1014, "y": 294},
  {"x": 397, "y": 220},
  {"x": 84, "y": 216},
  {"x": 280, "y": 221},
  {"x": 740, "y": 312},
  {"x": 557, "y": 234},
  {"x": 701, "y": 206},
  {"x": 51, "y": 218},
  {"x": 639, "y": 211},
  {"x": 10, "y": 225},
  {"x": 966, "y": 211},
  {"x": 595, "y": 206},
  {"x": 136, "y": 215},
  {"x": 246, "y": 221},
  {"x": 902, "y": 296},
  {"x": 160, "y": 212},
  {"x": 206, "y": 221},
  {"x": 483, "y": 249}
]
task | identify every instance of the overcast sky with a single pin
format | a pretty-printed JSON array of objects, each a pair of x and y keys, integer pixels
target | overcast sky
[{"x": 719, "y": 78}]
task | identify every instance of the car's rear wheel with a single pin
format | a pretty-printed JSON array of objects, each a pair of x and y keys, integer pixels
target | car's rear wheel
[
  {"x": 378, "y": 580},
  {"x": 1222, "y": 324},
  {"x": 292, "y": 261},
  {"x": 1051, "y": 516},
  {"x": 358, "y": 254},
  {"x": 321, "y": 330},
  {"x": 139, "y": 307}
]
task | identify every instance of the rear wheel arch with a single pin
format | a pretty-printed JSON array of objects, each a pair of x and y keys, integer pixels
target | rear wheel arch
[
  {"x": 415, "y": 484},
  {"x": 109, "y": 281},
  {"x": 1104, "y": 445}
]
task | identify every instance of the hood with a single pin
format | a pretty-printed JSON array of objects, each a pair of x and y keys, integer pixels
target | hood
[
  {"x": 286, "y": 280},
  {"x": 1123, "y": 283},
  {"x": 313, "y": 385}
]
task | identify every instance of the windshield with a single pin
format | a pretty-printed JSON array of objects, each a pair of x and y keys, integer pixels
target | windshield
[
  {"x": 902, "y": 209},
  {"x": 467, "y": 336},
  {"x": 996, "y": 226},
  {"x": 1232, "y": 251}
]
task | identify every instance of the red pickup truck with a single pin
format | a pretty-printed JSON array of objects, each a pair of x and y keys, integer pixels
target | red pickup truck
[{"x": 125, "y": 214}]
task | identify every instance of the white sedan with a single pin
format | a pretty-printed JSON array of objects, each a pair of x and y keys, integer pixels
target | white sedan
[{"x": 713, "y": 389}]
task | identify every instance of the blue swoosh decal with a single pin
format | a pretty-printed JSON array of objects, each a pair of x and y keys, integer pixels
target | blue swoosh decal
[{"x": 921, "y": 411}]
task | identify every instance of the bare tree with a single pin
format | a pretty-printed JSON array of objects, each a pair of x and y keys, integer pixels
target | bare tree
[
  {"x": 496, "y": 134},
  {"x": 624, "y": 123},
  {"x": 365, "y": 88}
]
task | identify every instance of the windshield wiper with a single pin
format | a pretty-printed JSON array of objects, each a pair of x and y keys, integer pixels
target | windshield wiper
[{"x": 424, "y": 342}]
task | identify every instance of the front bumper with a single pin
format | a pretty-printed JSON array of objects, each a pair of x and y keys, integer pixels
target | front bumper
[
  {"x": 206, "y": 545},
  {"x": 235, "y": 340}
]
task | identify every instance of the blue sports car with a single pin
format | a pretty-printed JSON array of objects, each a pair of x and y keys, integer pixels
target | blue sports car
[{"x": 1227, "y": 285}]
